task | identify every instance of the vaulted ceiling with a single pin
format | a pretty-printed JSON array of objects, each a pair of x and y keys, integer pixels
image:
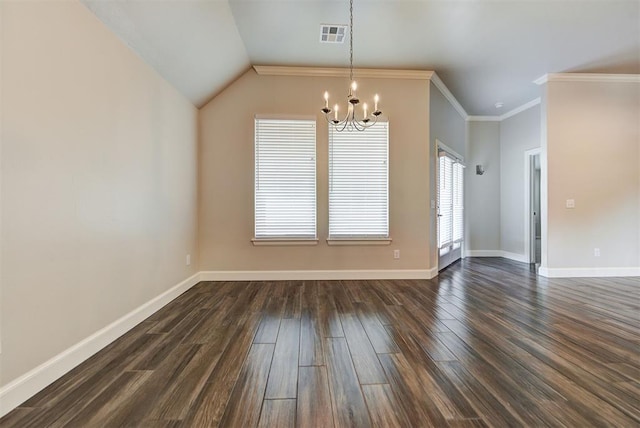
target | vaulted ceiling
[{"x": 485, "y": 51}]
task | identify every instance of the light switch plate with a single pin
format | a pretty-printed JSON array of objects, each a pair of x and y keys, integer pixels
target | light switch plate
[{"x": 571, "y": 203}]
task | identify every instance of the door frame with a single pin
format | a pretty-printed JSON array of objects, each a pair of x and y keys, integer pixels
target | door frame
[
  {"x": 529, "y": 223},
  {"x": 440, "y": 145}
]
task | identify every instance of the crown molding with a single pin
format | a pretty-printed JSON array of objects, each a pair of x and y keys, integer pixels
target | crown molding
[
  {"x": 483, "y": 118},
  {"x": 507, "y": 115},
  {"x": 542, "y": 79},
  {"x": 587, "y": 77},
  {"x": 372, "y": 73},
  {"x": 523, "y": 107},
  {"x": 448, "y": 95}
]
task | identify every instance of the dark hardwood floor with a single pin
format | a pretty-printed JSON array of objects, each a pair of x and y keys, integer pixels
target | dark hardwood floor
[{"x": 487, "y": 343}]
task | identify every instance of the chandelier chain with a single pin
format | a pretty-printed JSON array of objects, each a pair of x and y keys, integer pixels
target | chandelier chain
[
  {"x": 348, "y": 121},
  {"x": 351, "y": 40}
]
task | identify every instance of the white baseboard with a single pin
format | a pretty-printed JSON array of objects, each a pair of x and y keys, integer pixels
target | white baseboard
[
  {"x": 32, "y": 382},
  {"x": 515, "y": 256},
  {"x": 315, "y": 275},
  {"x": 496, "y": 253},
  {"x": 483, "y": 253},
  {"x": 588, "y": 272},
  {"x": 29, "y": 384}
]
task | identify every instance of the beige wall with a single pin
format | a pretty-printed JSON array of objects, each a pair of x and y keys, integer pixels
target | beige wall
[
  {"x": 227, "y": 174},
  {"x": 98, "y": 181},
  {"x": 592, "y": 153}
]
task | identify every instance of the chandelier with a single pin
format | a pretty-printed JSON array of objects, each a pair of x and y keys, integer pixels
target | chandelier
[{"x": 351, "y": 121}]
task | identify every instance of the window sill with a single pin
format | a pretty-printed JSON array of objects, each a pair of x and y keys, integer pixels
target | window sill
[
  {"x": 359, "y": 241},
  {"x": 258, "y": 242}
]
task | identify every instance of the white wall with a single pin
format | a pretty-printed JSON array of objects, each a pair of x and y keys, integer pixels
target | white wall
[
  {"x": 518, "y": 134},
  {"x": 592, "y": 152},
  {"x": 482, "y": 192},
  {"x": 98, "y": 181}
]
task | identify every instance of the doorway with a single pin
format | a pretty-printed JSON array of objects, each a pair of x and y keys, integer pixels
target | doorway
[
  {"x": 450, "y": 206},
  {"x": 533, "y": 196}
]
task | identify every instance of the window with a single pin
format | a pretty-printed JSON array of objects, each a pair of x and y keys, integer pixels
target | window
[
  {"x": 359, "y": 183},
  {"x": 285, "y": 179},
  {"x": 450, "y": 201}
]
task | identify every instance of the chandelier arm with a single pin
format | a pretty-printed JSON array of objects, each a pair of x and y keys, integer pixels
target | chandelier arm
[
  {"x": 342, "y": 125},
  {"x": 339, "y": 124},
  {"x": 361, "y": 125}
]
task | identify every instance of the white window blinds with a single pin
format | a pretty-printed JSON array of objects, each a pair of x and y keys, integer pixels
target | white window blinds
[
  {"x": 445, "y": 201},
  {"x": 285, "y": 178},
  {"x": 359, "y": 183},
  {"x": 458, "y": 202},
  {"x": 450, "y": 200}
]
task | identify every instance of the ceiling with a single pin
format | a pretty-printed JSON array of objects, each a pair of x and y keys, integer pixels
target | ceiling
[
  {"x": 484, "y": 51},
  {"x": 195, "y": 45}
]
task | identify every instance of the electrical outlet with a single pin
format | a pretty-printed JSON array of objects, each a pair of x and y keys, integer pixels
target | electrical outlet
[
  {"x": 571, "y": 203},
  {"x": 188, "y": 259},
  {"x": 596, "y": 252},
  {"x": 396, "y": 254}
]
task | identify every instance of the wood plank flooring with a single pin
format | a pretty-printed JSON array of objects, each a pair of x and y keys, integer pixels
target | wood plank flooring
[{"x": 487, "y": 343}]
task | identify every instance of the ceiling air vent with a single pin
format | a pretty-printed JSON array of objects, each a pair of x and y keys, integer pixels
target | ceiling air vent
[{"x": 332, "y": 33}]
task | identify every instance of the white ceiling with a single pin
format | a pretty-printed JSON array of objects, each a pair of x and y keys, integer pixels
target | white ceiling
[{"x": 484, "y": 51}]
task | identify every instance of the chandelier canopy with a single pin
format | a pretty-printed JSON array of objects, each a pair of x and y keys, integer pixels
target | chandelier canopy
[{"x": 351, "y": 121}]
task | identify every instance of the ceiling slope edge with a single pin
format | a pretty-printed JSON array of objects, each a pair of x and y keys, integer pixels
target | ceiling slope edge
[{"x": 231, "y": 81}]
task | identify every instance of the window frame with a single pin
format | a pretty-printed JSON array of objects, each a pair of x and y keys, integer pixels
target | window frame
[
  {"x": 358, "y": 239},
  {"x": 278, "y": 240}
]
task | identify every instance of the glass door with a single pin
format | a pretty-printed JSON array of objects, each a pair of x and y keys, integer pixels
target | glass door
[{"x": 450, "y": 208}]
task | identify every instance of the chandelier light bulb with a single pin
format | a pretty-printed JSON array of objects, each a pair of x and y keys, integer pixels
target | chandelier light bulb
[
  {"x": 376, "y": 99},
  {"x": 364, "y": 109},
  {"x": 335, "y": 110},
  {"x": 326, "y": 99}
]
